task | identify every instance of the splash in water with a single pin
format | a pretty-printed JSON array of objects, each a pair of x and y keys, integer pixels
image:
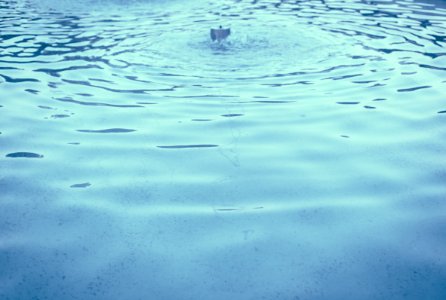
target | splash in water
[{"x": 220, "y": 34}]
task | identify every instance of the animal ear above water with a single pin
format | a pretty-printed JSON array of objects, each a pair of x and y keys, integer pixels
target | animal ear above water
[{"x": 213, "y": 36}]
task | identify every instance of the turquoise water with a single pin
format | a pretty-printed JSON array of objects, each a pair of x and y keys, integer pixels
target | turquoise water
[{"x": 303, "y": 158}]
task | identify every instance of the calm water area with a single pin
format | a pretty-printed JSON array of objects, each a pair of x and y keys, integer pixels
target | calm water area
[{"x": 304, "y": 158}]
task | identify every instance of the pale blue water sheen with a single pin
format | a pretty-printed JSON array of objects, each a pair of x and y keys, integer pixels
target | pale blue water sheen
[{"x": 303, "y": 159}]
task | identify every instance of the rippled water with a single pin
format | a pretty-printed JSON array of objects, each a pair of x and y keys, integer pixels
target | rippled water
[{"x": 304, "y": 158}]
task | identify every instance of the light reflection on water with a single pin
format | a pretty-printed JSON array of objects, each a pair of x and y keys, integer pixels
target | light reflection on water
[{"x": 301, "y": 159}]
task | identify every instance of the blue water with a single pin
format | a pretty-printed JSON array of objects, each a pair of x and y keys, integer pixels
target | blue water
[{"x": 303, "y": 158}]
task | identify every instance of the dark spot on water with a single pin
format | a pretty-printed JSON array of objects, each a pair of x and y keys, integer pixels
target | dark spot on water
[
  {"x": 24, "y": 154},
  {"x": 379, "y": 99},
  {"x": 80, "y": 185},
  {"x": 110, "y": 130},
  {"x": 442, "y": 112},
  {"x": 414, "y": 88},
  {"x": 345, "y": 136},
  {"x": 188, "y": 146},
  {"x": 232, "y": 115},
  {"x": 74, "y": 143},
  {"x": 147, "y": 103},
  {"x": 53, "y": 84},
  {"x": 347, "y": 103},
  {"x": 84, "y": 95},
  {"x": 59, "y": 116},
  {"x": 369, "y": 107},
  {"x": 201, "y": 120},
  {"x": 425, "y": 23}
]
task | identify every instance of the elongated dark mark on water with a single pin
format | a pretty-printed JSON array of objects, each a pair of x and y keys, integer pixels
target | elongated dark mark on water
[
  {"x": 203, "y": 96},
  {"x": 109, "y": 130},
  {"x": 431, "y": 67},
  {"x": 286, "y": 84},
  {"x": 227, "y": 209},
  {"x": 9, "y": 68},
  {"x": 17, "y": 80},
  {"x": 343, "y": 77},
  {"x": 44, "y": 107},
  {"x": 147, "y": 103},
  {"x": 271, "y": 101},
  {"x": 56, "y": 72},
  {"x": 80, "y": 185},
  {"x": 364, "y": 81},
  {"x": 188, "y": 146},
  {"x": 24, "y": 155},
  {"x": 232, "y": 115},
  {"x": 61, "y": 116},
  {"x": 414, "y": 88},
  {"x": 86, "y": 83},
  {"x": 35, "y": 92},
  {"x": 96, "y": 103},
  {"x": 442, "y": 112},
  {"x": 347, "y": 103}
]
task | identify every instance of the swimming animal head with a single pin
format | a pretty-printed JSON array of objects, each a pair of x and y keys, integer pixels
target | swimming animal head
[{"x": 220, "y": 34}]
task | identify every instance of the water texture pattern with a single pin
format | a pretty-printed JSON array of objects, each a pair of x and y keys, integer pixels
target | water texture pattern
[{"x": 303, "y": 158}]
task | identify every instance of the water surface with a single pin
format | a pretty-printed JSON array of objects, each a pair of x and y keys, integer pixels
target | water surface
[{"x": 301, "y": 159}]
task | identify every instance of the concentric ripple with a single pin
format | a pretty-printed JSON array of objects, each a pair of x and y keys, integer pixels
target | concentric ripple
[{"x": 302, "y": 158}]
